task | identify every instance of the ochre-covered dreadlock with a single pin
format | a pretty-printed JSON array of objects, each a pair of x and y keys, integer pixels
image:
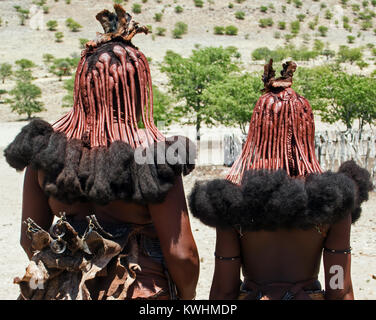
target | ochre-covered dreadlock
[
  {"x": 113, "y": 88},
  {"x": 281, "y": 132}
]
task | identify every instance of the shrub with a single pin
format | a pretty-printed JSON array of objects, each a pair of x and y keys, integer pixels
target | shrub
[
  {"x": 51, "y": 25},
  {"x": 158, "y": 16},
  {"x": 179, "y": 9},
  {"x": 137, "y": 8},
  {"x": 295, "y": 27},
  {"x": 230, "y": 5},
  {"x": 362, "y": 64},
  {"x": 199, "y": 3},
  {"x": 180, "y": 29},
  {"x": 263, "y": 9},
  {"x": 298, "y": 3},
  {"x": 351, "y": 39},
  {"x": 239, "y": 15},
  {"x": 59, "y": 36},
  {"x": 282, "y": 25},
  {"x": 328, "y": 15},
  {"x": 231, "y": 30},
  {"x": 301, "y": 17},
  {"x": 46, "y": 9},
  {"x": 72, "y": 25},
  {"x": 323, "y": 31},
  {"x": 268, "y": 22},
  {"x": 48, "y": 58},
  {"x": 312, "y": 25},
  {"x": 161, "y": 31},
  {"x": 219, "y": 30},
  {"x": 366, "y": 25},
  {"x": 318, "y": 45}
]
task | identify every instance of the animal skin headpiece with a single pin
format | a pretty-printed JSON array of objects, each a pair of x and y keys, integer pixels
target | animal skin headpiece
[
  {"x": 112, "y": 88},
  {"x": 281, "y": 132}
]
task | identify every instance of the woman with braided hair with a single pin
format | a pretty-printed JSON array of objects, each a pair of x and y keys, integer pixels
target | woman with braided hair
[
  {"x": 276, "y": 214},
  {"x": 114, "y": 182}
]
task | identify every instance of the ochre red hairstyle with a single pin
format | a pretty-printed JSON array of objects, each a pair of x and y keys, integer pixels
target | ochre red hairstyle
[
  {"x": 281, "y": 132},
  {"x": 112, "y": 89}
]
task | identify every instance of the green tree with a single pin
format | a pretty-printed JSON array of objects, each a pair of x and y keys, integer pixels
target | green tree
[
  {"x": 25, "y": 64},
  {"x": 346, "y": 54},
  {"x": 189, "y": 77},
  {"x": 25, "y": 98},
  {"x": 5, "y": 71},
  {"x": 231, "y": 101},
  {"x": 339, "y": 96},
  {"x": 162, "y": 111}
]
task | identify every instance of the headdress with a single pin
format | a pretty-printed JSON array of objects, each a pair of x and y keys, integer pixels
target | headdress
[
  {"x": 113, "y": 88},
  {"x": 282, "y": 130}
]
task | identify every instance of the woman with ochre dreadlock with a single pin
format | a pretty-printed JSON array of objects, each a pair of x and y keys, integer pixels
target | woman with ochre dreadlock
[
  {"x": 276, "y": 213},
  {"x": 123, "y": 230}
]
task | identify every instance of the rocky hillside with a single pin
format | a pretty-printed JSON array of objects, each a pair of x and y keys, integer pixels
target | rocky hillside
[{"x": 259, "y": 24}]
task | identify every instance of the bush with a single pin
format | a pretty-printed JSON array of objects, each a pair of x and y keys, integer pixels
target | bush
[
  {"x": 219, "y": 30},
  {"x": 366, "y": 25},
  {"x": 74, "y": 26},
  {"x": 5, "y": 71},
  {"x": 328, "y": 15},
  {"x": 161, "y": 31},
  {"x": 282, "y": 25},
  {"x": 263, "y": 9},
  {"x": 346, "y": 54},
  {"x": 180, "y": 29},
  {"x": 158, "y": 16},
  {"x": 268, "y": 22},
  {"x": 240, "y": 15},
  {"x": 351, "y": 39},
  {"x": 59, "y": 36},
  {"x": 298, "y": 3},
  {"x": 318, "y": 45},
  {"x": 52, "y": 25},
  {"x": 301, "y": 17},
  {"x": 323, "y": 31},
  {"x": 231, "y": 30},
  {"x": 230, "y": 5},
  {"x": 179, "y": 9},
  {"x": 199, "y": 3},
  {"x": 137, "y": 8},
  {"x": 295, "y": 27},
  {"x": 46, "y": 9}
]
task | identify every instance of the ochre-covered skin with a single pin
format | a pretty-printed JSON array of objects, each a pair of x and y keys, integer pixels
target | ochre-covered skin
[{"x": 281, "y": 132}]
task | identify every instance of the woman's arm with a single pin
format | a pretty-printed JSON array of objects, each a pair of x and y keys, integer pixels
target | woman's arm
[
  {"x": 172, "y": 224},
  {"x": 226, "y": 280},
  {"x": 337, "y": 265},
  {"x": 34, "y": 206}
]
